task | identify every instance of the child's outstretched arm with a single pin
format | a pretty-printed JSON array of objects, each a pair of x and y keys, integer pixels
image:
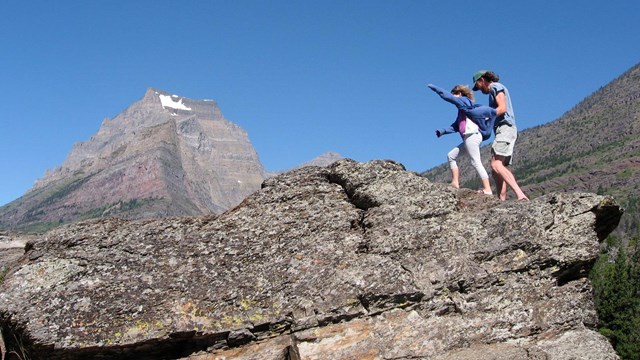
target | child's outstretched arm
[{"x": 459, "y": 102}]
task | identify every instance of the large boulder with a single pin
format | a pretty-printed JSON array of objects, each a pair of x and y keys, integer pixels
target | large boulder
[{"x": 353, "y": 261}]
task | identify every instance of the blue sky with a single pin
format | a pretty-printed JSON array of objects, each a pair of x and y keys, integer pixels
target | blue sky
[{"x": 301, "y": 77}]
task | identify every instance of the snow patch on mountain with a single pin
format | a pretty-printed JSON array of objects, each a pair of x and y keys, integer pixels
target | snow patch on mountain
[{"x": 168, "y": 102}]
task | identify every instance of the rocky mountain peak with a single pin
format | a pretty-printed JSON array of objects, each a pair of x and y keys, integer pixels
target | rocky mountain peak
[
  {"x": 164, "y": 155},
  {"x": 324, "y": 159}
]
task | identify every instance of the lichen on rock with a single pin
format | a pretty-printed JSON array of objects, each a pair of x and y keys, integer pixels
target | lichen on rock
[{"x": 355, "y": 260}]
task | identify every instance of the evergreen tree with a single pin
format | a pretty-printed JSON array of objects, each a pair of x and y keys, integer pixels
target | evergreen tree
[{"x": 616, "y": 281}]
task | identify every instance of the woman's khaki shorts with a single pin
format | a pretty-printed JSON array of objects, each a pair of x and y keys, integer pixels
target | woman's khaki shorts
[{"x": 504, "y": 142}]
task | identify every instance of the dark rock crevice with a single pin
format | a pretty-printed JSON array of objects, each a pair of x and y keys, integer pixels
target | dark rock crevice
[
  {"x": 359, "y": 200},
  {"x": 608, "y": 215},
  {"x": 574, "y": 271},
  {"x": 376, "y": 304}
]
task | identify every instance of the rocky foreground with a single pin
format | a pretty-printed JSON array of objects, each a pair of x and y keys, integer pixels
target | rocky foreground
[{"x": 353, "y": 261}]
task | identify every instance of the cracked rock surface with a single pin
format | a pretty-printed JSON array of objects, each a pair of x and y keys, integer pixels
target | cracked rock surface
[{"x": 353, "y": 261}]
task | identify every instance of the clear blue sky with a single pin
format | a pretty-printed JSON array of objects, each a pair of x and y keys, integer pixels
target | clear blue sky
[{"x": 301, "y": 77}]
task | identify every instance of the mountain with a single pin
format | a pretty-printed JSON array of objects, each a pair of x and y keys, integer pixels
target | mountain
[
  {"x": 165, "y": 155},
  {"x": 321, "y": 160},
  {"x": 593, "y": 147},
  {"x": 351, "y": 261},
  {"x": 325, "y": 159}
]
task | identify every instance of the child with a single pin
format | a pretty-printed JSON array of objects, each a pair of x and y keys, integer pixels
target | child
[{"x": 470, "y": 131}]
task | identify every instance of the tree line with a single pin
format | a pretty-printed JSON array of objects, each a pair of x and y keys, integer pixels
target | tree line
[{"x": 616, "y": 284}]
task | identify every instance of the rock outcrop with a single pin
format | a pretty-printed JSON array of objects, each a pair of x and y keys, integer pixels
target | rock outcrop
[
  {"x": 165, "y": 155},
  {"x": 352, "y": 261}
]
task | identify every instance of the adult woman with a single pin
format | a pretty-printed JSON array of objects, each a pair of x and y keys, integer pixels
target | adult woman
[
  {"x": 468, "y": 130},
  {"x": 505, "y": 130}
]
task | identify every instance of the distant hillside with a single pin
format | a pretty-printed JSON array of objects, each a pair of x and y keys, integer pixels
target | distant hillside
[
  {"x": 165, "y": 155},
  {"x": 593, "y": 147}
]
